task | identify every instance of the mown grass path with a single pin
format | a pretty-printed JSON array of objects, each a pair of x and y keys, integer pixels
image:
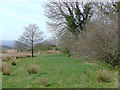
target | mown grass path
[{"x": 59, "y": 70}]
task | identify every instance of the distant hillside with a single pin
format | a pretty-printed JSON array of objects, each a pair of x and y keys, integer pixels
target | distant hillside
[
  {"x": 6, "y": 47},
  {"x": 9, "y": 43}
]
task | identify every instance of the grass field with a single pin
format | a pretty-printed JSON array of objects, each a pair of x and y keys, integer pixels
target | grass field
[
  {"x": 0, "y": 80},
  {"x": 58, "y": 71}
]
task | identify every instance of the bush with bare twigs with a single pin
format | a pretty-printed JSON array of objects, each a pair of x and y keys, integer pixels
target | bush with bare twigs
[{"x": 99, "y": 41}]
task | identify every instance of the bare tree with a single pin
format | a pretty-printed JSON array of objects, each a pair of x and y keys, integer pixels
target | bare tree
[
  {"x": 100, "y": 40},
  {"x": 31, "y": 36},
  {"x": 68, "y": 16}
]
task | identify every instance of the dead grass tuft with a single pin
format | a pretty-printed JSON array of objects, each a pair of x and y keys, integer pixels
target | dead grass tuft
[
  {"x": 33, "y": 69},
  {"x": 17, "y": 55},
  {"x": 103, "y": 76},
  {"x": 44, "y": 82},
  {"x": 5, "y": 68}
]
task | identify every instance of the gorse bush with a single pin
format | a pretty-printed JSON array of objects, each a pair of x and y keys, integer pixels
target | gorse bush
[
  {"x": 117, "y": 67},
  {"x": 33, "y": 69},
  {"x": 103, "y": 76},
  {"x": 66, "y": 51},
  {"x": 5, "y": 68},
  {"x": 111, "y": 58}
]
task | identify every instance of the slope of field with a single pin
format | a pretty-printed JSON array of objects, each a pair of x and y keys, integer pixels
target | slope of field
[
  {"x": 58, "y": 71},
  {"x": 0, "y": 80}
]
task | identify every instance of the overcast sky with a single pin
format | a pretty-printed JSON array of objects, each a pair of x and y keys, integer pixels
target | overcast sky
[{"x": 15, "y": 14}]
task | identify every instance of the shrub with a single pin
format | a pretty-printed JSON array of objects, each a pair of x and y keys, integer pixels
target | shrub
[
  {"x": 13, "y": 62},
  {"x": 44, "y": 82},
  {"x": 66, "y": 51},
  {"x": 103, "y": 76},
  {"x": 117, "y": 67},
  {"x": 99, "y": 41},
  {"x": 5, "y": 68},
  {"x": 33, "y": 69}
]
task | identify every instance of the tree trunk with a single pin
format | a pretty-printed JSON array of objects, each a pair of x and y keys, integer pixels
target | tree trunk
[
  {"x": 119, "y": 34},
  {"x": 32, "y": 48}
]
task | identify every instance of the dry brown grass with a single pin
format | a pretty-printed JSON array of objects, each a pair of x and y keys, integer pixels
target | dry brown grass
[
  {"x": 11, "y": 51},
  {"x": 103, "y": 76},
  {"x": 53, "y": 51},
  {"x": 44, "y": 82},
  {"x": 4, "y": 65},
  {"x": 5, "y": 68},
  {"x": 33, "y": 69},
  {"x": 15, "y": 55}
]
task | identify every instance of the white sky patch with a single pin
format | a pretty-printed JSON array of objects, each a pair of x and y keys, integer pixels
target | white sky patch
[
  {"x": 59, "y": 0},
  {"x": 14, "y": 16},
  {"x": 0, "y": 27}
]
